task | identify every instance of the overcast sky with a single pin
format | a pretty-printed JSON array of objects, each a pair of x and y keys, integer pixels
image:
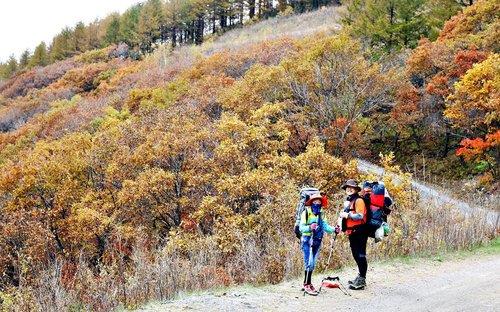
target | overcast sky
[{"x": 25, "y": 23}]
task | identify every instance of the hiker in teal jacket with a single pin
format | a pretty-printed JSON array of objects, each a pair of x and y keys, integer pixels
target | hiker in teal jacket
[{"x": 312, "y": 226}]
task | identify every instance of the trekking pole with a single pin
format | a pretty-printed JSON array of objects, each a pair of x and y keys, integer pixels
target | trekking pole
[
  {"x": 344, "y": 289},
  {"x": 331, "y": 250},
  {"x": 310, "y": 261},
  {"x": 339, "y": 222}
]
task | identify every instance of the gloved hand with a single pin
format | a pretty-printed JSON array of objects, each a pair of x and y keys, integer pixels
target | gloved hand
[
  {"x": 313, "y": 226},
  {"x": 337, "y": 229},
  {"x": 344, "y": 215}
]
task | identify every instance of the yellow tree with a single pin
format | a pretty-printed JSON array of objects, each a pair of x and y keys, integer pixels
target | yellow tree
[
  {"x": 336, "y": 87},
  {"x": 38, "y": 192}
]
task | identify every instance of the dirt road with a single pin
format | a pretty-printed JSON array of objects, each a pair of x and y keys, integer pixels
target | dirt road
[
  {"x": 430, "y": 193},
  {"x": 470, "y": 283}
]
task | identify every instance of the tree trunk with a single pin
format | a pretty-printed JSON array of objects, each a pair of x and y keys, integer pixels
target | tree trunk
[
  {"x": 251, "y": 8},
  {"x": 200, "y": 28},
  {"x": 223, "y": 21},
  {"x": 315, "y": 4},
  {"x": 241, "y": 11},
  {"x": 446, "y": 147},
  {"x": 214, "y": 29},
  {"x": 396, "y": 142},
  {"x": 392, "y": 15},
  {"x": 193, "y": 31},
  {"x": 174, "y": 37}
]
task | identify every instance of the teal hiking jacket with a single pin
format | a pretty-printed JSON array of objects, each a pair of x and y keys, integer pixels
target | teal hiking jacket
[{"x": 311, "y": 218}]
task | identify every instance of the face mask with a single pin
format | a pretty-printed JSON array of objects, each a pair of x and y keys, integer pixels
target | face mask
[{"x": 316, "y": 208}]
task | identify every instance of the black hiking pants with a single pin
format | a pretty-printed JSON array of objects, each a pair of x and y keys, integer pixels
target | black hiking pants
[{"x": 357, "y": 241}]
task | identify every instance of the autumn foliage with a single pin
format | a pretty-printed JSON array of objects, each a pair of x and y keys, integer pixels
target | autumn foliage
[
  {"x": 123, "y": 181},
  {"x": 451, "y": 92}
]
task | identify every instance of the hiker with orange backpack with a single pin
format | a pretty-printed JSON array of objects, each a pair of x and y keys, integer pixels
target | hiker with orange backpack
[
  {"x": 312, "y": 226},
  {"x": 354, "y": 217},
  {"x": 379, "y": 203}
]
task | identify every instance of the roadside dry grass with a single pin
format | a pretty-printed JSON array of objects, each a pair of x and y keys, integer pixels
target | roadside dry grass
[{"x": 418, "y": 283}]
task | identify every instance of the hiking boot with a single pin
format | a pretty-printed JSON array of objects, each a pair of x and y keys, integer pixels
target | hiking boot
[
  {"x": 354, "y": 280},
  {"x": 358, "y": 283},
  {"x": 309, "y": 289}
]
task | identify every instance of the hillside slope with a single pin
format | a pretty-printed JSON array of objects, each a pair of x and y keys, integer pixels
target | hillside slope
[
  {"x": 457, "y": 282},
  {"x": 105, "y": 77},
  {"x": 125, "y": 181}
]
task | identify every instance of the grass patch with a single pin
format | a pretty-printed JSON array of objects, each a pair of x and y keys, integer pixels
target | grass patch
[{"x": 490, "y": 248}]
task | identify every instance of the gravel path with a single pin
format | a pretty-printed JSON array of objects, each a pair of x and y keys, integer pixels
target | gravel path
[{"x": 468, "y": 284}]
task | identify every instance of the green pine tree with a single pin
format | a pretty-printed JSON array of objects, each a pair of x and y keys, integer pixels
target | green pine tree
[
  {"x": 40, "y": 56},
  {"x": 10, "y": 67},
  {"x": 80, "y": 38},
  {"x": 112, "y": 29},
  {"x": 387, "y": 24},
  {"x": 24, "y": 59},
  {"x": 63, "y": 45},
  {"x": 93, "y": 35},
  {"x": 129, "y": 26},
  {"x": 151, "y": 19}
]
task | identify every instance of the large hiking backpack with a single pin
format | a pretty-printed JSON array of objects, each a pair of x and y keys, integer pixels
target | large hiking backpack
[
  {"x": 304, "y": 195},
  {"x": 379, "y": 203}
]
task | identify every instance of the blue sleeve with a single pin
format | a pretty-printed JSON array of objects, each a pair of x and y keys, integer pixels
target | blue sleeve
[
  {"x": 326, "y": 226},
  {"x": 355, "y": 216}
]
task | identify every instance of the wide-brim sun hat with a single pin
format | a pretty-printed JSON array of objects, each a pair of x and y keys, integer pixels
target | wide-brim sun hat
[
  {"x": 313, "y": 197},
  {"x": 351, "y": 183}
]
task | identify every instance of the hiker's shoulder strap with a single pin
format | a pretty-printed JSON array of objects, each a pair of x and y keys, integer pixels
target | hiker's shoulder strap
[
  {"x": 304, "y": 216},
  {"x": 352, "y": 204},
  {"x": 307, "y": 211}
]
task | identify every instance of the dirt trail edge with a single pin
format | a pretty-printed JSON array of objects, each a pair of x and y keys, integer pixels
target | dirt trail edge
[
  {"x": 430, "y": 193},
  {"x": 466, "y": 284}
]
